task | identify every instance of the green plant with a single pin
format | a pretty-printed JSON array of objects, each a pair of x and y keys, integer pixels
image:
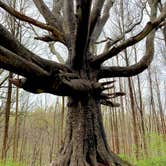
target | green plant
[{"x": 11, "y": 163}]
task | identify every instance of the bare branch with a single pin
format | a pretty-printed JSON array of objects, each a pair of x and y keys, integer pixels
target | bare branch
[
  {"x": 63, "y": 85},
  {"x": 133, "y": 69},
  {"x": 164, "y": 33},
  {"x": 164, "y": 23},
  {"x": 46, "y": 13},
  {"x": 146, "y": 59},
  {"x": 111, "y": 42},
  {"x": 116, "y": 94},
  {"x": 70, "y": 24},
  {"x": 58, "y": 56},
  {"x": 2, "y": 82},
  {"x": 9, "y": 42},
  {"x": 47, "y": 38},
  {"x": 69, "y": 17},
  {"x": 57, "y": 10},
  {"x": 10, "y": 61},
  {"x": 97, "y": 28},
  {"x": 111, "y": 95},
  {"x": 131, "y": 41},
  {"x": 96, "y": 12},
  {"x": 109, "y": 103},
  {"x": 32, "y": 21}
]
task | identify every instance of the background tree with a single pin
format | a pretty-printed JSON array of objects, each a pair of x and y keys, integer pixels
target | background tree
[{"x": 77, "y": 24}]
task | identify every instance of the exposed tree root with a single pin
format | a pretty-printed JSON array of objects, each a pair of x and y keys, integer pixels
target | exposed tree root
[{"x": 101, "y": 159}]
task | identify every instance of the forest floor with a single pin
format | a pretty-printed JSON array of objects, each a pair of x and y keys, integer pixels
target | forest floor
[{"x": 156, "y": 161}]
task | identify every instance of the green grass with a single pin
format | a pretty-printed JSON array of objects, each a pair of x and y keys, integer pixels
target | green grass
[
  {"x": 155, "y": 161},
  {"x": 10, "y": 163},
  {"x": 156, "y": 152},
  {"x": 156, "y": 148}
]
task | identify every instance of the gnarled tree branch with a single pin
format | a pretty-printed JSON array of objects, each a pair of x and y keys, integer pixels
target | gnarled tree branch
[
  {"x": 131, "y": 41},
  {"x": 46, "y": 13},
  {"x": 133, "y": 69},
  {"x": 11, "y": 43},
  {"x": 10, "y": 61},
  {"x": 96, "y": 12},
  {"x": 58, "y": 35},
  {"x": 146, "y": 59},
  {"x": 97, "y": 24}
]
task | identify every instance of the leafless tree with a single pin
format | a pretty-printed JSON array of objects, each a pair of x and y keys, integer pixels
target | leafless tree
[{"x": 77, "y": 24}]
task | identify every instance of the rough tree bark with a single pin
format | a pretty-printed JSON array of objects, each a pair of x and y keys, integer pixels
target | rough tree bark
[
  {"x": 78, "y": 27},
  {"x": 85, "y": 141}
]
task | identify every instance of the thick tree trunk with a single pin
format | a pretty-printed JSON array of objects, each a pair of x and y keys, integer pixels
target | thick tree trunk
[{"x": 85, "y": 143}]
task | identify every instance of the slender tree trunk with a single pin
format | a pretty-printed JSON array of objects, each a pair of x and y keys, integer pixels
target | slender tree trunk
[
  {"x": 111, "y": 130},
  {"x": 134, "y": 113},
  {"x": 116, "y": 131},
  {"x": 122, "y": 114},
  {"x": 7, "y": 116},
  {"x": 54, "y": 132},
  {"x": 134, "y": 116},
  {"x": 140, "y": 109},
  {"x": 154, "y": 123},
  {"x": 132, "y": 102},
  {"x": 128, "y": 114},
  {"x": 41, "y": 151},
  {"x": 15, "y": 142},
  {"x": 62, "y": 118},
  {"x": 36, "y": 149},
  {"x": 164, "y": 105},
  {"x": 161, "y": 112},
  {"x": 23, "y": 141}
]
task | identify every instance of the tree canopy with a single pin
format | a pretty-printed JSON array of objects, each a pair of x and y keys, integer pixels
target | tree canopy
[{"x": 76, "y": 24}]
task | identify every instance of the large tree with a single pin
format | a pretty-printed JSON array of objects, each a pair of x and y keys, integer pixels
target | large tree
[{"x": 77, "y": 24}]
